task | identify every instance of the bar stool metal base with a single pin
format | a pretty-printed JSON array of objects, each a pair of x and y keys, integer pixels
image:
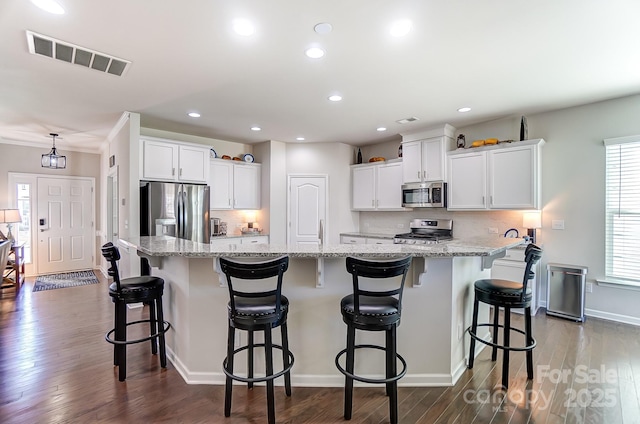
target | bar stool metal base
[
  {"x": 498, "y": 346},
  {"x": 166, "y": 326},
  {"x": 371, "y": 380},
  {"x": 257, "y": 379}
]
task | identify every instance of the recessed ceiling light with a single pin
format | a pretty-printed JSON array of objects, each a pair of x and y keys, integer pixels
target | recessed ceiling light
[
  {"x": 400, "y": 28},
  {"x": 300, "y": 138},
  {"x": 256, "y": 128},
  {"x": 314, "y": 52},
  {"x": 381, "y": 129},
  {"x": 243, "y": 27},
  {"x": 323, "y": 28},
  {"x": 464, "y": 109},
  {"x": 335, "y": 98},
  {"x": 194, "y": 114},
  {"x": 49, "y": 6}
]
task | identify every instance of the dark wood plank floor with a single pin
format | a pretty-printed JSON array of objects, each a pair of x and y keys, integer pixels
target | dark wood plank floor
[{"x": 55, "y": 367}]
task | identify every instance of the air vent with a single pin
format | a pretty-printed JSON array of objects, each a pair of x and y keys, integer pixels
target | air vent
[
  {"x": 406, "y": 120},
  {"x": 70, "y": 53}
]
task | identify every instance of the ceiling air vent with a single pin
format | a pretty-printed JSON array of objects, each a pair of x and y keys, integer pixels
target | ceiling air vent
[
  {"x": 70, "y": 53},
  {"x": 406, "y": 120}
]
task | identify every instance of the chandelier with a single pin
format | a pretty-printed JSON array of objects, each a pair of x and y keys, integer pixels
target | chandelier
[{"x": 53, "y": 159}]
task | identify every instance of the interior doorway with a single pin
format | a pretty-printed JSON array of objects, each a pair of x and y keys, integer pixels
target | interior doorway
[{"x": 308, "y": 209}]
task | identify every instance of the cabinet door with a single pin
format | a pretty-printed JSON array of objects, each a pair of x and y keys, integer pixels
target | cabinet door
[
  {"x": 467, "y": 181},
  {"x": 411, "y": 162},
  {"x": 389, "y": 186},
  {"x": 160, "y": 161},
  {"x": 363, "y": 187},
  {"x": 194, "y": 164},
  {"x": 220, "y": 184},
  {"x": 512, "y": 178},
  {"x": 433, "y": 160},
  {"x": 246, "y": 186}
]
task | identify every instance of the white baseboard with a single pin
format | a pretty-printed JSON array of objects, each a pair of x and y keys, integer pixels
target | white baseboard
[
  {"x": 609, "y": 316},
  {"x": 310, "y": 380}
]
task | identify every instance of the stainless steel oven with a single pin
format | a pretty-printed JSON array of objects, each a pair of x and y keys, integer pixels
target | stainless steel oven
[{"x": 424, "y": 195}]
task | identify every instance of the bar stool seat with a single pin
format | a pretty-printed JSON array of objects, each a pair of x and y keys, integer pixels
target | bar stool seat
[
  {"x": 143, "y": 289},
  {"x": 506, "y": 294},
  {"x": 370, "y": 310},
  {"x": 257, "y": 311}
]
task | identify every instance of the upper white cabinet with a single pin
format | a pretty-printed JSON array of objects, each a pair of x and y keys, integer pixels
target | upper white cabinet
[
  {"x": 496, "y": 177},
  {"x": 164, "y": 160},
  {"x": 424, "y": 154},
  {"x": 377, "y": 186},
  {"x": 234, "y": 185}
]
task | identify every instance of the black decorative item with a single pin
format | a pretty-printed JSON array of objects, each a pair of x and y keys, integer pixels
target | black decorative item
[
  {"x": 461, "y": 141},
  {"x": 359, "y": 156},
  {"x": 400, "y": 150},
  {"x": 524, "y": 129}
]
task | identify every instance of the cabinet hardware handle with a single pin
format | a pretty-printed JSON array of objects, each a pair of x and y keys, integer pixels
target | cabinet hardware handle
[
  {"x": 491, "y": 200},
  {"x": 418, "y": 174},
  {"x": 373, "y": 203},
  {"x": 483, "y": 200},
  {"x": 173, "y": 171},
  {"x": 181, "y": 172},
  {"x": 424, "y": 174}
]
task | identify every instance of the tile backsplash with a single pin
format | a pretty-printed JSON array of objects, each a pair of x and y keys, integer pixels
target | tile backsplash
[
  {"x": 465, "y": 224},
  {"x": 233, "y": 218}
]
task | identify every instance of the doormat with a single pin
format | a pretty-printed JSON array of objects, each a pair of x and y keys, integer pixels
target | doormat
[{"x": 64, "y": 280}]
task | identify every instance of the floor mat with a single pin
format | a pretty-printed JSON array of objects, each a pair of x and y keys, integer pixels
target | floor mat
[{"x": 64, "y": 280}]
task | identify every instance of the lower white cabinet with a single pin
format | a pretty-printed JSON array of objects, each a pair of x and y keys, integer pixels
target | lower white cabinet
[
  {"x": 224, "y": 241},
  {"x": 364, "y": 240},
  {"x": 511, "y": 267}
]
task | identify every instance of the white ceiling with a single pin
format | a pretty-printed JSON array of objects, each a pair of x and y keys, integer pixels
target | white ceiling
[{"x": 499, "y": 57}]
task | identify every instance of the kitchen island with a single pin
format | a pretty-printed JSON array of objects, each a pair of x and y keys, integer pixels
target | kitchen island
[{"x": 437, "y": 306}]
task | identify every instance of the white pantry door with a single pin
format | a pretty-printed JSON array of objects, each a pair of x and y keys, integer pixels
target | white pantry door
[
  {"x": 307, "y": 209},
  {"x": 65, "y": 225}
]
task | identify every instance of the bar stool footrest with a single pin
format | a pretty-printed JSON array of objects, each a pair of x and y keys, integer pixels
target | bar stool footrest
[
  {"x": 371, "y": 380},
  {"x": 509, "y": 348},
  {"x": 257, "y": 379},
  {"x": 166, "y": 326}
]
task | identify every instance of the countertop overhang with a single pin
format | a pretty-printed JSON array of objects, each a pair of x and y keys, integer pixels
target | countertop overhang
[{"x": 170, "y": 246}]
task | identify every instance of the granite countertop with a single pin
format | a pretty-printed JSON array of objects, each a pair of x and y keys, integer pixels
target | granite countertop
[{"x": 171, "y": 246}]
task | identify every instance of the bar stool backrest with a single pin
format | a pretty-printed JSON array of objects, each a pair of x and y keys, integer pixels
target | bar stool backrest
[
  {"x": 377, "y": 269},
  {"x": 255, "y": 271},
  {"x": 532, "y": 255},
  {"x": 112, "y": 255}
]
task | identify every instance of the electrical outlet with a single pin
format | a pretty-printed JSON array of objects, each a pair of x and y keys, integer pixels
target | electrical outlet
[
  {"x": 238, "y": 225},
  {"x": 557, "y": 224},
  {"x": 401, "y": 226},
  {"x": 493, "y": 230},
  {"x": 589, "y": 287}
]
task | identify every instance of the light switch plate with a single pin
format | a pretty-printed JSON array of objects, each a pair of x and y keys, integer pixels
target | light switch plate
[{"x": 557, "y": 224}]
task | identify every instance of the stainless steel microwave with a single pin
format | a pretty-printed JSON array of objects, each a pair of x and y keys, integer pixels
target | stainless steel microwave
[{"x": 424, "y": 195}]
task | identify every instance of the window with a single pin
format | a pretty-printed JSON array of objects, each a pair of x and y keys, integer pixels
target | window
[{"x": 623, "y": 210}]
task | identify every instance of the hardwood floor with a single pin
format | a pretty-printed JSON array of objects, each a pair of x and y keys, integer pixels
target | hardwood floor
[{"x": 55, "y": 367}]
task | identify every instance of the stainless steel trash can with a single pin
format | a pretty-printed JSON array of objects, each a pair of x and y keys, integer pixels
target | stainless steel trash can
[{"x": 565, "y": 291}]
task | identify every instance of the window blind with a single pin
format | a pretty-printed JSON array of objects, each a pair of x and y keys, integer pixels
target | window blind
[{"x": 622, "y": 239}]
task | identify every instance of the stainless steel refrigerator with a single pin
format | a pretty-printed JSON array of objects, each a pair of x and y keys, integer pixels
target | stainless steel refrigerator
[{"x": 175, "y": 209}]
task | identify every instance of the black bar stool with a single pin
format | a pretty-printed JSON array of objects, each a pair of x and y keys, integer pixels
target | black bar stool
[
  {"x": 146, "y": 289},
  {"x": 506, "y": 294},
  {"x": 373, "y": 311},
  {"x": 257, "y": 311}
]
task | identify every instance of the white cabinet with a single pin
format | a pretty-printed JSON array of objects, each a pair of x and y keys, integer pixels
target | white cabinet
[
  {"x": 377, "y": 187},
  {"x": 364, "y": 240},
  {"x": 254, "y": 240},
  {"x": 171, "y": 161},
  {"x": 352, "y": 240},
  {"x": 498, "y": 177},
  {"x": 234, "y": 185},
  {"x": 511, "y": 267},
  {"x": 425, "y": 160}
]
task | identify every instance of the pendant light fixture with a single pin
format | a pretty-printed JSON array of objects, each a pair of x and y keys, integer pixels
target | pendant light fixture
[{"x": 53, "y": 159}]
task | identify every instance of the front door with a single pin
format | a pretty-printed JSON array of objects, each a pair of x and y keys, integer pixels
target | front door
[
  {"x": 307, "y": 209},
  {"x": 65, "y": 225}
]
